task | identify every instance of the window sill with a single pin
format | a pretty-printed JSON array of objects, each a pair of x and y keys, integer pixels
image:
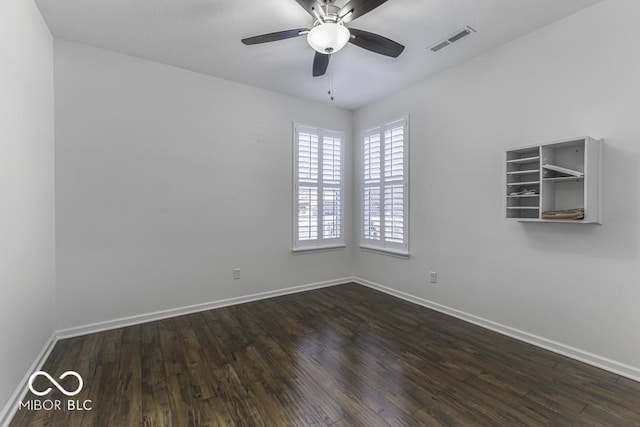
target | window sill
[
  {"x": 302, "y": 251},
  {"x": 387, "y": 252}
]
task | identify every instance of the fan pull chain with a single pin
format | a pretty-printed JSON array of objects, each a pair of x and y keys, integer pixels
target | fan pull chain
[{"x": 330, "y": 91}]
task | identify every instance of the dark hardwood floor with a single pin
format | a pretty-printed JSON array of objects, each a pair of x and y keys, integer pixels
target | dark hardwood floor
[{"x": 339, "y": 356}]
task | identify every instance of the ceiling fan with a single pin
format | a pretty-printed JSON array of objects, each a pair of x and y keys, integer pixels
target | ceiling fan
[{"x": 328, "y": 33}]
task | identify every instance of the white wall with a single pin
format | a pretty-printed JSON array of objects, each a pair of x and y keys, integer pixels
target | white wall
[
  {"x": 167, "y": 180},
  {"x": 576, "y": 285},
  {"x": 27, "y": 237}
]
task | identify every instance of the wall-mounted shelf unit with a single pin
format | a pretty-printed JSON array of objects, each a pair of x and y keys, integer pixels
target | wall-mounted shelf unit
[{"x": 555, "y": 182}]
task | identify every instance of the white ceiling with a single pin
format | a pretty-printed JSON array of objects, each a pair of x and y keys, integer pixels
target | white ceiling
[{"x": 204, "y": 36}]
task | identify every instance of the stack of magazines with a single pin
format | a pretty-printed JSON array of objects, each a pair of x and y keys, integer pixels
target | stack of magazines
[{"x": 564, "y": 214}]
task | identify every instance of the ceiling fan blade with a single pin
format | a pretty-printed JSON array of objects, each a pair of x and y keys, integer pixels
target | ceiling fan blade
[
  {"x": 272, "y": 37},
  {"x": 320, "y": 64},
  {"x": 375, "y": 43},
  {"x": 356, "y": 8}
]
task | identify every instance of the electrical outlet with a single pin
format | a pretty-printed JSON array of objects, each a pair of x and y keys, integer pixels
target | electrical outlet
[
  {"x": 236, "y": 273},
  {"x": 433, "y": 277}
]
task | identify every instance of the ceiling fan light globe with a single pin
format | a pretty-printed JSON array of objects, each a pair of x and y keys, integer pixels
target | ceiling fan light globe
[{"x": 328, "y": 37}]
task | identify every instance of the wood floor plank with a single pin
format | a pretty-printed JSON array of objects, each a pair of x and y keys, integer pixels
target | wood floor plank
[
  {"x": 305, "y": 396},
  {"x": 353, "y": 400},
  {"x": 367, "y": 403},
  {"x": 186, "y": 408},
  {"x": 271, "y": 394},
  {"x": 85, "y": 364},
  {"x": 557, "y": 412},
  {"x": 127, "y": 410},
  {"x": 156, "y": 409},
  {"x": 194, "y": 359},
  {"x": 629, "y": 386},
  {"x": 383, "y": 396},
  {"x": 111, "y": 344},
  {"x": 609, "y": 418},
  {"x": 337, "y": 356},
  {"x": 102, "y": 396},
  {"x": 443, "y": 418},
  {"x": 270, "y": 401},
  {"x": 102, "y": 391},
  {"x": 427, "y": 380}
]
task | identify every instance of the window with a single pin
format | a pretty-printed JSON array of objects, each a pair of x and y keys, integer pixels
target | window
[
  {"x": 385, "y": 187},
  {"x": 318, "y": 188}
]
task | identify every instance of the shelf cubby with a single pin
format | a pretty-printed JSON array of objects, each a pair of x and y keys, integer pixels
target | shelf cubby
[
  {"x": 557, "y": 176},
  {"x": 523, "y": 183}
]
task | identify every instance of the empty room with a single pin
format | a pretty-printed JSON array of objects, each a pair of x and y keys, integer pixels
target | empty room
[{"x": 312, "y": 212}]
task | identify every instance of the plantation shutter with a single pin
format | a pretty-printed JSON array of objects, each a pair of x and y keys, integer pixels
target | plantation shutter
[
  {"x": 385, "y": 187},
  {"x": 394, "y": 184},
  {"x": 319, "y": 198}
]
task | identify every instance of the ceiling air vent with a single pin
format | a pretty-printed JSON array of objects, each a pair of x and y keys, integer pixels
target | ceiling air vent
[{"x": 457, "y": 36}]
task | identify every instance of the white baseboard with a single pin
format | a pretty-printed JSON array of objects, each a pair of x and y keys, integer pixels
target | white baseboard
[
  {"x": 613, "y": 366},
  {"x": 173, "y": 312},
  {"x": 10, "y": 409}
]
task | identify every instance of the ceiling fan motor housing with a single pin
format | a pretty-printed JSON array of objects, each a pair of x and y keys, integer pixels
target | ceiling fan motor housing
[{"x": 326, "y": 13}]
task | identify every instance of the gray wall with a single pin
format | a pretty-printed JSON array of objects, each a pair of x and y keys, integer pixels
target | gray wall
[
  {"x": 27, "y": 236},
  {"x": 167, "y": 180},
  {"x": 575, "y": 285}
]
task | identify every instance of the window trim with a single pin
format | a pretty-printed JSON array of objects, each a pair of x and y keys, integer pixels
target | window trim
[
  {"x": 387, "y": 251},
  {"x": 381, "y": 246},
  {"x": 320, "y": 244}
]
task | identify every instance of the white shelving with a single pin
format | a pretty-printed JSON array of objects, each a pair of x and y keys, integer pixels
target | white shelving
[
  {"x": 521, "y": 183},
  {"x": 561, "y": 179},
  {"x": 523, "y": 172},
  {"x": 524, "y": 160}
]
